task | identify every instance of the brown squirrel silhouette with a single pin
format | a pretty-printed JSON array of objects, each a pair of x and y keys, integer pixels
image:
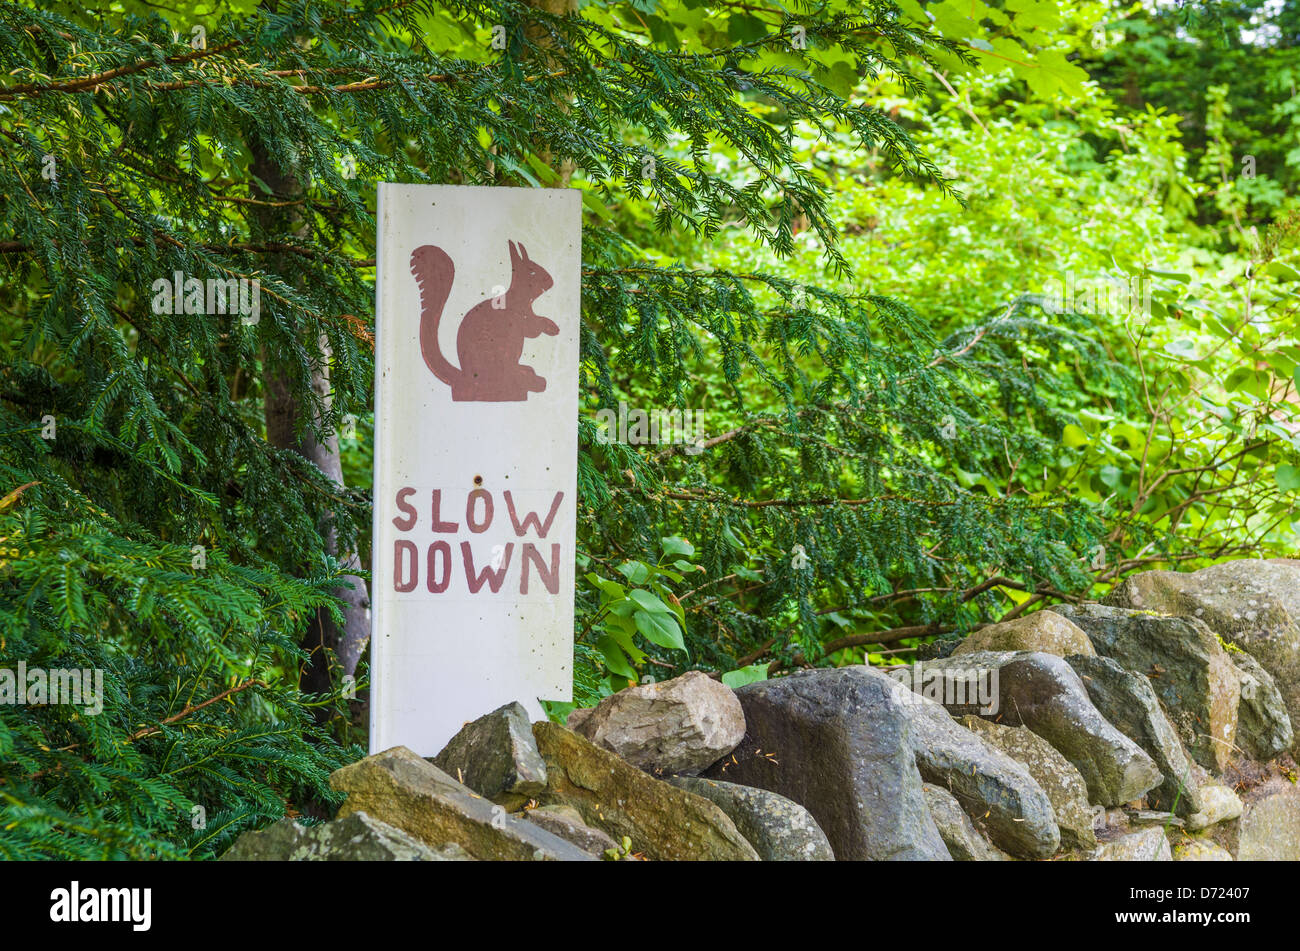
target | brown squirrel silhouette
[{"x": 490, "y": 340}]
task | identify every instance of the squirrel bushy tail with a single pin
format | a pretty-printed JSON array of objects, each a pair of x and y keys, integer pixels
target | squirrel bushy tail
[{"x": 434, "y": 272}]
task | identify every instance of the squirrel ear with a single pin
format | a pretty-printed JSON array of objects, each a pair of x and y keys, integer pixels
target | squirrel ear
[
  {"x": 523, "y": 253},
  {"x": 514, "y": 252}
]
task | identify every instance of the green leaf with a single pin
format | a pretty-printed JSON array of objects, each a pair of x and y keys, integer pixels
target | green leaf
[
  {"x": 592, "y": 201},
  {"x": 544, "y": 171},
  {"x": 1172, "y": 276},
  {"x": 661, "y": 629},
  {"x": 611, "y": 588},
  {"x": 745, "y": 675},
  {"x": 1048, "y": 74},
  {"x": 742, "y": 28},
  {"x": 662, "y": 32},
  {"x": 1237, "y": 377},
  {"x": 624, "y": 607},
  {"x": 677, "y": 546},
  {"x": 842, "y": 78},
  {"x": 623, "y": 630},
  {"x": 1288, "y": 478},
  {"x": 648, "y": 602},
  {"x": 636, "y": 572},
  {"x": 615, "y": 660},
  {"x": 1034, "y": 14},
  {"x": 509, "y": 163},
  {"x": 1073, "y": 436},
  {"x": 1283, "y": 271},
  {"x": 557, "y": 711},
  {"x": 952, "y": 18},
  {"x": 733, "y": 540}
]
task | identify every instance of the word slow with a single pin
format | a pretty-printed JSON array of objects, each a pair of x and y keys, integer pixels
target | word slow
[{"x": 486, "y": 570}]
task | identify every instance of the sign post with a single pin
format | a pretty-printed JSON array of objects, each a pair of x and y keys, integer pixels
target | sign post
[{"x": 476, "y": 412}]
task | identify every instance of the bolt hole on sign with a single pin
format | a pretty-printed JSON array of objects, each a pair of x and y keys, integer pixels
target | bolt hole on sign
[{"x": 476, "y": 448}]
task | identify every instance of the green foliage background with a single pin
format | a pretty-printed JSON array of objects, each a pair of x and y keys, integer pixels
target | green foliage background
[{"x": 842, "y": 255}]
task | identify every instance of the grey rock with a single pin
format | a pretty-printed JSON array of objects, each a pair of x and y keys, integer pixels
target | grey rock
[
  {"x": 1199, "y": 850},
  {"x": 1042, "y": 692},
  {"x": 354, "y": 838},
  {"x": 681, "y": 725},
  {"x": 578, "y": 717},
  {"x": 1252, "y": 603},
  {"x": 663, "y": 822},
  {"x": 566, "y": 822},
  {"x": 1111, "y": 822},
  {"x": 1270, "y": 828},
  {"x": 956, "y": 685},
  {"x": 1044, "y": 631},
  {"x": 1144, "y": 818},
  {"x": 1202, "y": 775},
  {"x": 1146, "y": 845},
  {"x": 1218, "y": 804},
  {"x": 403, "y": 790},
  {"x": 1247, "y": 616},
  {"x": 1054, "y": 774},
  {"x": 1188, "y": 667},
  {"x": 1129, "y": 702},
  {"x": 496, "y": 757},
  {"x": 991, "y": 786},
  {"x": 837, "y": 742},
  {"x": 779, "y": 830},
  {"x": 965, "y": 844},
  {"x": 942, "y": 646},
  {"x": 1264, "y": 727}
]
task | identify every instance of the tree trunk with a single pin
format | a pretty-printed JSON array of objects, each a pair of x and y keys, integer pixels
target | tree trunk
[
  {"x": 283, "y": 415},
  {"x": 536, "y": 35}
]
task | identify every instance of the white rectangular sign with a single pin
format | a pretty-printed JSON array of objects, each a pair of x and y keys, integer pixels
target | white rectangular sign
[{"x": 476, "y": 447}]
